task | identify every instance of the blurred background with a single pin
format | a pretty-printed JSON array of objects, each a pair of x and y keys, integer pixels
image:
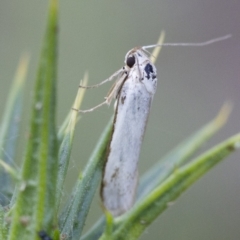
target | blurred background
[{"x": 193, "y": 84}]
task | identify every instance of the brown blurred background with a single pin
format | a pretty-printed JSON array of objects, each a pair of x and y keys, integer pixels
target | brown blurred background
[{"x": 193, "y": 83}]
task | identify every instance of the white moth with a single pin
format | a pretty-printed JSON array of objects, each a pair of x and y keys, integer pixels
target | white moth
[
  {"x": 134, "y": 97},
  {"x": 133, "y": 90}
]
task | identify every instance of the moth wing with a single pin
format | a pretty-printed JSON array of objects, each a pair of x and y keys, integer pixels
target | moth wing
[{"x": 121, "y": 174}]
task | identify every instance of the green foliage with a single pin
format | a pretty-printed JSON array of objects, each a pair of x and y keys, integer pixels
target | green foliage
[
  {"x": 10, "y": 126},
  {"x": 35, "y": 202}
]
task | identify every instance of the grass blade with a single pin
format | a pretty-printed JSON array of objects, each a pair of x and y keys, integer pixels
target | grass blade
[
  {"x": 74, "y": 215},
  {"x": 35, "y": 201},
  {"x": 3, "y": 228},
  {"x": 10, "y": 127},
  {"x": 96, "y": 231},
  {"x": 66, "y": 135}
]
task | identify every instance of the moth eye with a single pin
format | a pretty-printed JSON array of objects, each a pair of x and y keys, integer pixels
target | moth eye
[{"x": 130, "y": 61}]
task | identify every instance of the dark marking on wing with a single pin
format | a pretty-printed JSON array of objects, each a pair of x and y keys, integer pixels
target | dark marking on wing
[
  {"x": 123, "y": 99},
  {"x": 115, "y": 173},
  {"x": 148, "y": 69}
]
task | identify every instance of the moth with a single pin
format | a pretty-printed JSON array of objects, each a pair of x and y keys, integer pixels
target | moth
[
  {"x": 134, "y": 89},
  {"x": 134, "y": 93}
]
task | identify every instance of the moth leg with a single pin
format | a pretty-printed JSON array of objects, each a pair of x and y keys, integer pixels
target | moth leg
[
  {"x": 111, "y": 94},
  {"x": 115, "y": 89},
  {"x": 91, "y": 109},
  {"x": 105, "y": 81}
]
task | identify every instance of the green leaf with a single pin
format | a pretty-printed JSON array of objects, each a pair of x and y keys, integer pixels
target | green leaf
[
  {"x": 132, "y": 224},
  {"x": 8, "y": 169},
  {"x": 3, "y": 229},
  {"x": 10, "y": 127},
  {"x": 96, "y": 231},
  {"x": 66, "y": 135},
  {"x": 109, "y": 226},
  {"x": 73, "y": 218},
  {"x": 35, "y": 202}
]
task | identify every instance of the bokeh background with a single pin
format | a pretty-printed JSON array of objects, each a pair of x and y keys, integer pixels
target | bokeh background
[{"x": 193, "y": 83}]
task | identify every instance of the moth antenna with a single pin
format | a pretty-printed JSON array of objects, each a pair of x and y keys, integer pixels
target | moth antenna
[
  {"x": 105, "y": 81},
  {"x": 91, "y": 109},
  {"x": 214, "y": 40}
]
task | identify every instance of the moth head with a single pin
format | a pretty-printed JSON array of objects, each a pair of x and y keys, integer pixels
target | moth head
[
  {"x": 130, "y": 58},
  {"x": 130, "y": 61},
  {"x": 136, "y": 55}
]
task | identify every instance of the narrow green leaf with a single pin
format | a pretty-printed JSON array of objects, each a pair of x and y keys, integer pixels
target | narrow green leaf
[
  {"x": 109, "y": 226},
  {"x": 8, "y": 169},
  {"x": 73, "y": 218},
  {"x": 167, "y": 165},
  {"x": 10, "y": 127},
  {"x": 96, "y": 231},
  {"x": 66, "y": 134},
  {"x": 132, "y": 224},
  {"x": 35, "y": 202},
  {"x": 46, "y": 215},
  {"x": 3, "y": 229}
]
